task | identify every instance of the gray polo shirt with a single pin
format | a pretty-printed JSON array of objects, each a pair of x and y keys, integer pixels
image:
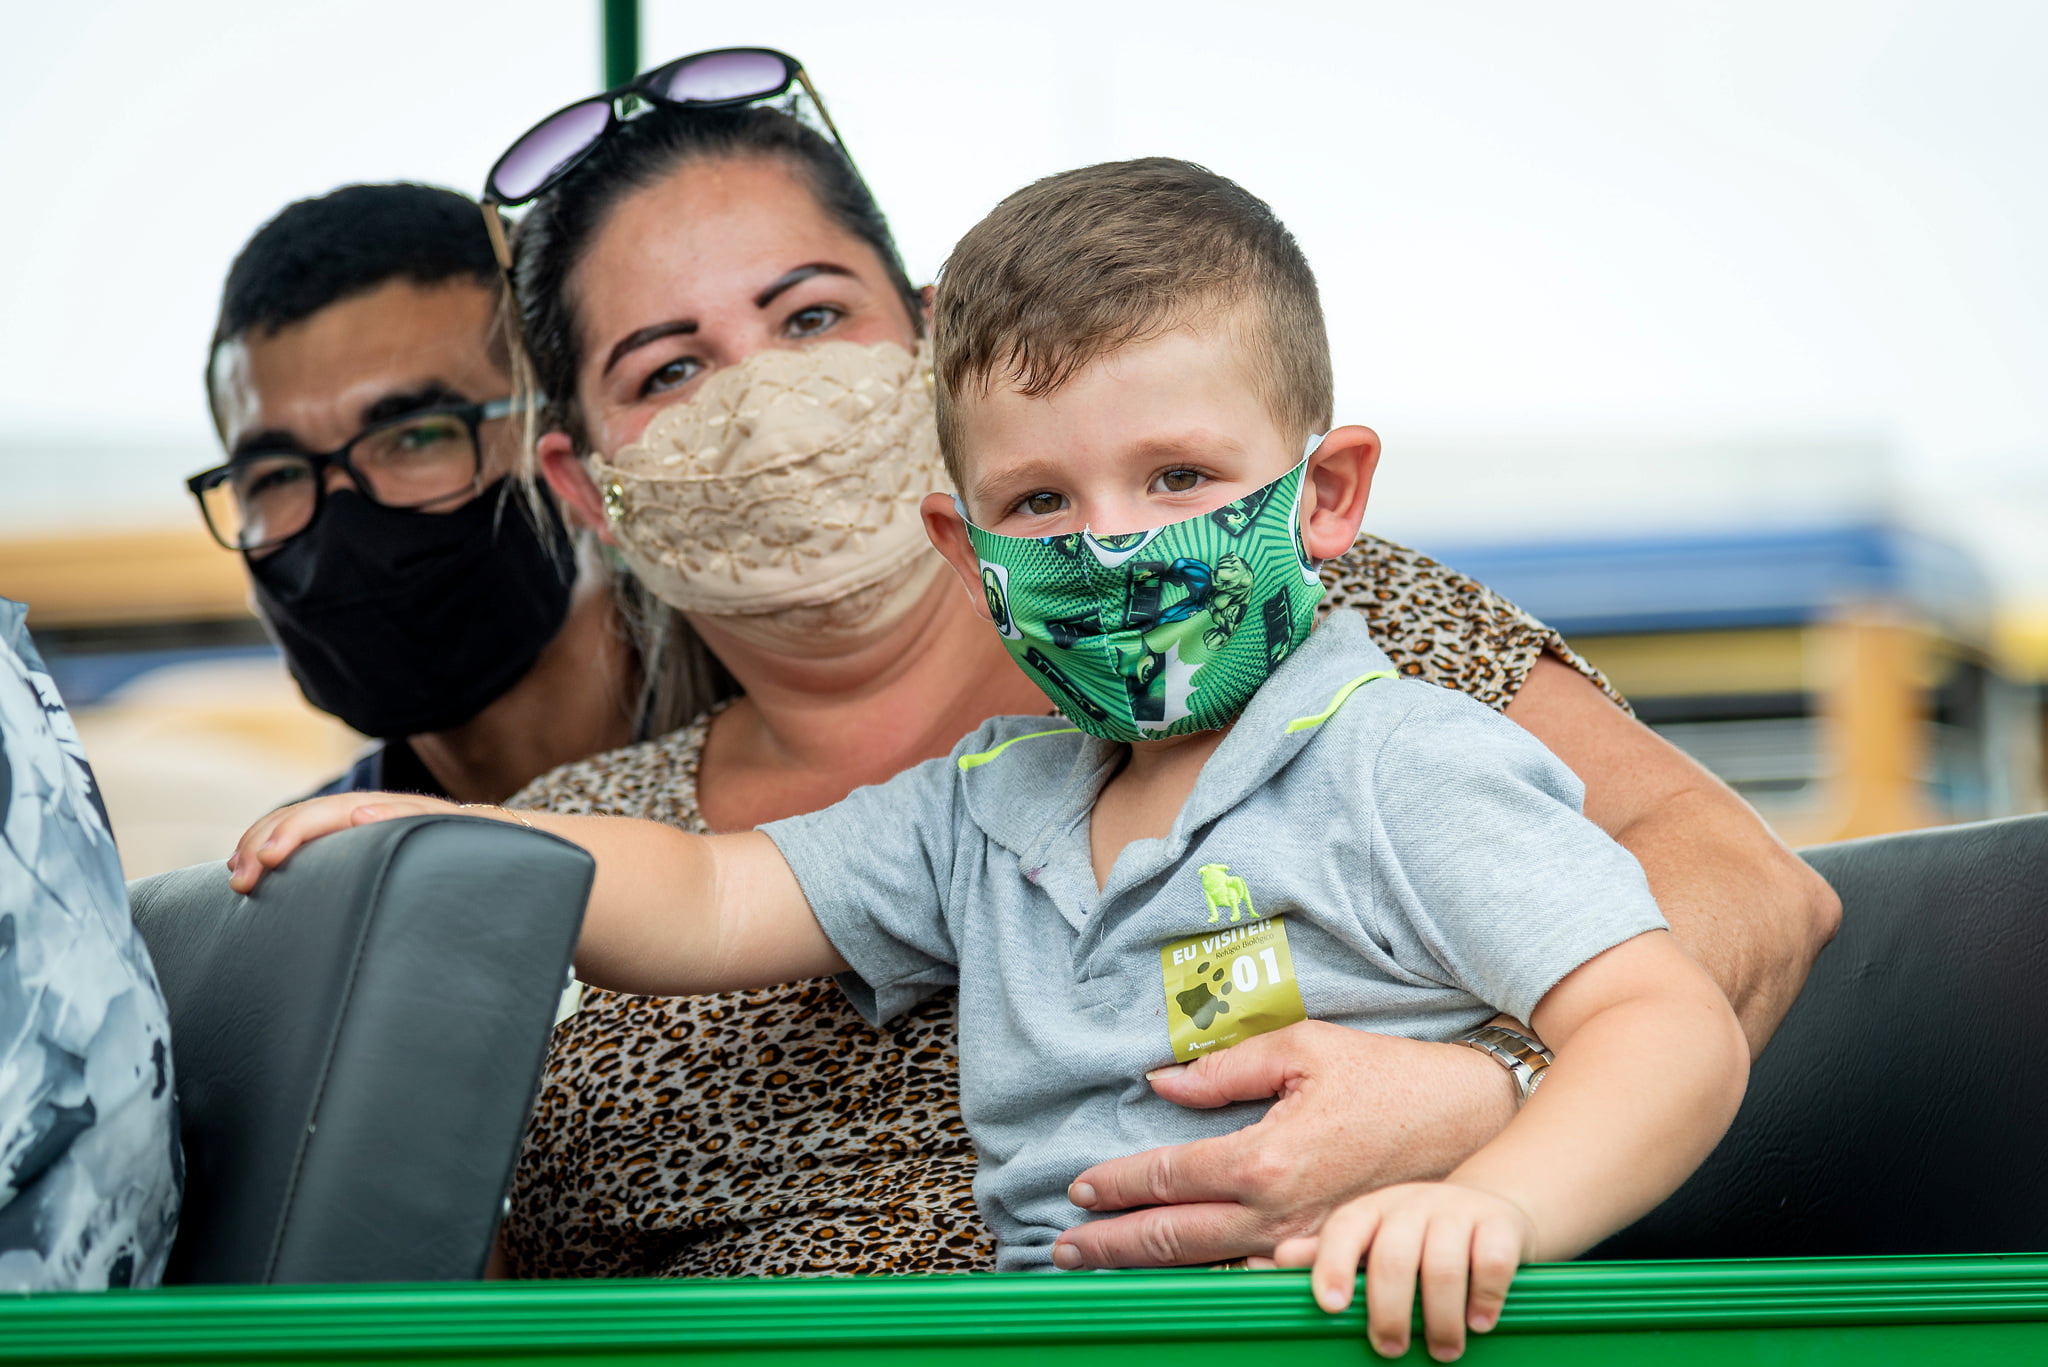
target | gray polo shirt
[{"x": 1418, "y": 861}]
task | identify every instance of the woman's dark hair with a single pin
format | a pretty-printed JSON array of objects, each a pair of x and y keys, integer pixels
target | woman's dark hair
[
  {"x": 556, "y": 233},
  {"x": 680, "y": 677}
]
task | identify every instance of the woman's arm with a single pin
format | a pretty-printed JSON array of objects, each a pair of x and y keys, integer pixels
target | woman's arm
[
  {"x": 670, "y": 914},
  {"x": 1746, "y": 908}
]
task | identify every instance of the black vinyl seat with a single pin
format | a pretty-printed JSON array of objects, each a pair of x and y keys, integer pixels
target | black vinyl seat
[
  {"x": 357, "y": 1046},
  {"x": 1900, "y": 1108}
]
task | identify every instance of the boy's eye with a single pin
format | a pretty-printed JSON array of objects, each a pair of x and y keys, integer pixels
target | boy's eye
[
  {"x": 1041, "y": 504},
  {"x": 676, "y": 373},
  {"x": 1179, "y": 481},
  {"x": 812, "y": 321}
]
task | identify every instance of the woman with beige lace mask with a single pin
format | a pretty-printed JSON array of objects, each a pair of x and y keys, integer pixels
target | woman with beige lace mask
[{"x": 731, "y": 348}]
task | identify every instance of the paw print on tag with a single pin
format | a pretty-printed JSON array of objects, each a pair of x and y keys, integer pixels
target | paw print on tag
[{"x": 1201, "y": 1003}]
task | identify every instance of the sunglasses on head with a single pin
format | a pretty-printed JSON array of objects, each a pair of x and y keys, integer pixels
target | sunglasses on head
[{"x": 724, "y": 78}]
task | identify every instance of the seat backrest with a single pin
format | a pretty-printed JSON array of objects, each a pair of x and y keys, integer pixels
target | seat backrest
[
  {"x": 357, "y": 1045},
  {"x": 1901, "y": 1106}
]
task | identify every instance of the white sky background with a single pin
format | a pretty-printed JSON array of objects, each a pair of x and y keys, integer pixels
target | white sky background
[{"x": 1603, "y": 237}]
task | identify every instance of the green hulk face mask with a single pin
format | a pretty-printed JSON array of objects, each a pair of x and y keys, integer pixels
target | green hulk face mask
[{"x": 1159, "y": 633}]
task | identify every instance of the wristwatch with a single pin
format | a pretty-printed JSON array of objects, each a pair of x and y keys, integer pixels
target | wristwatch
[{"x": 1524, "y": 1058}]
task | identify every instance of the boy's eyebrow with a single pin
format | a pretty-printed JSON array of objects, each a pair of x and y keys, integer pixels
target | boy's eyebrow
[
  {"x": 1026, "y": 474},
  {"x": 1196, "y": 445}
]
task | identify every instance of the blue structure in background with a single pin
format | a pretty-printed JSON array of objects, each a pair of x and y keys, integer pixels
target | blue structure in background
[
  {"x": 88, "y": 678},
  {"x": 1706, "y": 583}
]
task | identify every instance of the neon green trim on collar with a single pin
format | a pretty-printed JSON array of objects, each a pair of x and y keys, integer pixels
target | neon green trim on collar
[
  {"x": 1304, "y": 723},
  {"x": 975, "y": 761}
]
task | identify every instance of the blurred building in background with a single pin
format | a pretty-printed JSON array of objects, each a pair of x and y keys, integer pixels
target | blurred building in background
[{"x": 1774, "y": 607}]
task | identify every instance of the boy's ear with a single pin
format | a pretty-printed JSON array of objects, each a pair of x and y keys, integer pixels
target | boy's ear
[
  {"x": 1338, "y": 482},
  {"x": 948, "y": 531},
  {"x": 570, "y": 478},
  {"x": 925, "y": 296}
]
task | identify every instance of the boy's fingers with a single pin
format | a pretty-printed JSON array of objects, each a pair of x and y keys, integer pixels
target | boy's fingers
[
  {"x": 1496, "y": 1253},
  {"x": 1446, "y": 1259},
  {"x": 285, "y": 835},
  {"x": 244, "y": 868},
  {"x": 1390, "y": 1282},
  {"x": 1339, "y": 1248},
  {"x": 1299, "y": 1251},
  {"x": 271, "y": 840}
]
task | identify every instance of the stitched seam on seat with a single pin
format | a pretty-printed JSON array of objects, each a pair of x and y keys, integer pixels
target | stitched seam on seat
[{"x": 333, "y": 1042}]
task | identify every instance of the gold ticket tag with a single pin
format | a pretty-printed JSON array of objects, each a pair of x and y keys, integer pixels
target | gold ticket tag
[{"x": 1232, "y": 982}]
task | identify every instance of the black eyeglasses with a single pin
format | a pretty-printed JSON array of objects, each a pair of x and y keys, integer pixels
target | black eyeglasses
[
  {"x": 549, "y": 150},
  {"x": 261, "y": 499}
]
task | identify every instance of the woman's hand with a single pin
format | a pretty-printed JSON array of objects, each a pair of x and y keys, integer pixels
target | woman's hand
[
  {"x": 266, "y": 844},
  {"x": 1463, "y": 1243},
  {"x": 1357, "y": 1111}
]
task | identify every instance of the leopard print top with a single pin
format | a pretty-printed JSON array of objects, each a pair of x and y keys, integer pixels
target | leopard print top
[{"x": 774, "y": 1132}]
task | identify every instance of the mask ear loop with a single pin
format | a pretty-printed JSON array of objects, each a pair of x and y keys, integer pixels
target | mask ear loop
[{"x": 1315, "y": 441}]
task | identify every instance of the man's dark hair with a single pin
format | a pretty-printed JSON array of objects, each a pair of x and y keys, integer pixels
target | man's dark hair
[{"x": 320, "y": 251}]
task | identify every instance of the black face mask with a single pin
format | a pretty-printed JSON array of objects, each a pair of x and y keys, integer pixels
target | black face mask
[{"x": 403, "y": 622}]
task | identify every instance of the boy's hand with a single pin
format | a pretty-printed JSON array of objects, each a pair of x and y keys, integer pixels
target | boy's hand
[
  {"x": 266, "y": 844},
  {"x": 1463, "y": 1243}
]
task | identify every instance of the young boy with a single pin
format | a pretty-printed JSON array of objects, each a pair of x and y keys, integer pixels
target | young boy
[{"x": 1239, "y": 824}]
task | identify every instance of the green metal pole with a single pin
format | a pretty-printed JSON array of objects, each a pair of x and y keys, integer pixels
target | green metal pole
[{"x": 621, "y": 41}]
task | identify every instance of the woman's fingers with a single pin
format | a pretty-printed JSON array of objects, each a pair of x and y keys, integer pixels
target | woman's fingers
[
  {"x": 1390, "y": 1270},
  {"x": 1496, "y": 1253},
  {"x": 1446, "y": 1259}
]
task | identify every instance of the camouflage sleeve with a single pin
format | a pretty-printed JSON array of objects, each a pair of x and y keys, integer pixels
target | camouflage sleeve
[
  {"x": 1436, "y": 624},
  {"x": 90, "y": 1168}
]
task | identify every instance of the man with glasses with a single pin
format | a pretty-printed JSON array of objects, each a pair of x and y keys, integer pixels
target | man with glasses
[{"x": 362, "y": 395}]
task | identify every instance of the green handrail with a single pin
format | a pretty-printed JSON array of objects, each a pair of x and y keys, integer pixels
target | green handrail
[{"x": 1873, "y": 1307}]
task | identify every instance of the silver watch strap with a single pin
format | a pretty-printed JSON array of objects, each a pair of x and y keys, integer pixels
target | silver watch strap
[{"x": 1524, "y": 1058}]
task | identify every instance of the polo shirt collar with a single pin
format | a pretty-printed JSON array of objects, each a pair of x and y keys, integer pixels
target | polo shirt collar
[
  {"x": 1044, "y": 787},
  {"x": 1283, "y": 717}
]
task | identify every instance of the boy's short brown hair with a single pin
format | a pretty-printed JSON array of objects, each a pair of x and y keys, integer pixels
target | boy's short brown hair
[{"x": 1073, "y": 267}]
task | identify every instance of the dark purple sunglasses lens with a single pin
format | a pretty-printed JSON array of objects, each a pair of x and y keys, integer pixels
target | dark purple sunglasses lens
[
  {"x": 727, "y": 76},
  {"x": 541, "y": 152}
]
